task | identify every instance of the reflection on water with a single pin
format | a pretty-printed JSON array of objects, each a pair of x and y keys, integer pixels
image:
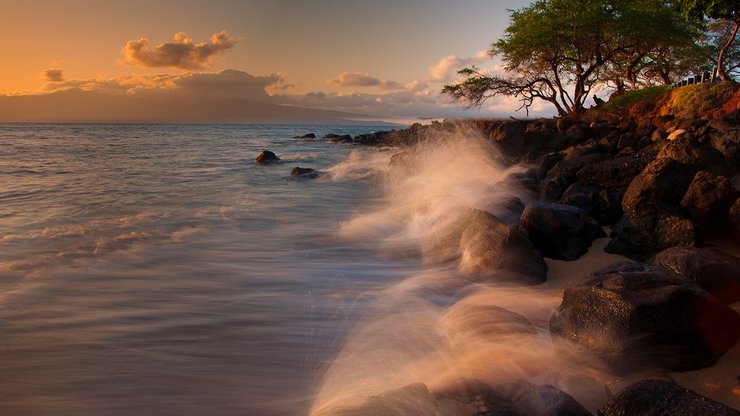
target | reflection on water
[{"x": 157, "y": 270}]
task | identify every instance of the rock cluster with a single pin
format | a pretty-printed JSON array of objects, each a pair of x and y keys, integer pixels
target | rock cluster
[{"x": 663, "y": 185}]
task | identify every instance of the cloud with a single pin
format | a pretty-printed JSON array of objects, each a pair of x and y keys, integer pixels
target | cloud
[
  {"x": 180, "y": 53},
  {"x": 445, "y": 70},
  {"x": 362, "y": 79},
  {"x": 52, "y": 75}
]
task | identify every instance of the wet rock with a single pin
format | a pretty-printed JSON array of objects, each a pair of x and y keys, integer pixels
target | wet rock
[
  {"x": 709, "y": 199},
  {"x": 663, "y": 180},
  {"x": 558, "y": 231},
  {"x": 267, "y": 157},
  {"x": 658, "y": 397},
  {"x": 553, "y": 188},
  {"x": 604, "y": 205},
  {"x": 306, "y": 136},
  {"x": 716, "y": 272},
  {"x": 336, "y": 138},
  {"x": 490, "y": 249},
  {"x": 307, "y": 173},
  {"x": 402, "y": 160},
  {"x": 535, "y": 400},
  {"x": 649, "y": 229},
  {"x": 473, "y": 398},
  {"x": 617, "y": 172},
  {"x": 640, "y": 317}
]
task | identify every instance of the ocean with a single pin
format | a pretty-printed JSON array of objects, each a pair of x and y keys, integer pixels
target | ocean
[{"x": 157, "y": 270}]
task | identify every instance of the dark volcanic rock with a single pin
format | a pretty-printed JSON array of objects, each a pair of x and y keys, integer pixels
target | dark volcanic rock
[
  {"x": 266, "y": 157},
  {"x": 534, "y": 400},
  {"x": 604, "y": 205},
  {"x": 639, "y": 317},
  {"x": 663, "y": 180},
  {"x": 304, "y": 173},
  {"x": 553, "y": 188},
  {"x": 617, "y": 172},
  {"x": 658, "y": 397},
  {"x": 545, "y": 162},
  {"x": 709, "y": 199},
  {"x": 559, "y": 231},
  {"x": 491, "y": 249},
  {"x": 344, "y": 138},
  {"x": 727, "y": 140},
  {"x": 716, "y": 272},
  {"x": 577, "y": 157},
  {"x": 306, "y": 136},
  {"x": 699, "y": 155},
  {"x": 509, "y": 136},
  {"x": 651, "y": 228}
]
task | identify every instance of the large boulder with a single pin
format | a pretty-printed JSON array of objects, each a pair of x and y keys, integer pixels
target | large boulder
[
  {"x": 267, "y": 157},
  {"x": 640, "y": 317},
  {"x": 562, "y": 232},
  {"x": 617, "y": 172},
  {"x": 698, "y": 154},
  {"x": 726, "y": 139},
  {"x": 716, "y": 272},
  {"x": 492, "y": 250},
  {"x": 658, "y": 397},
  {"x": 709, "y": 199},
  {"x": 650, "y": 228},
  {"x": 662, "y": 181},
  {"x": 735, "y": 220}
]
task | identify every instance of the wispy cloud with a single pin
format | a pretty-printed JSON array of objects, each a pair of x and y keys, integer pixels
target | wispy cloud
[
  {"x": 363, "y": 79},
  {"x": 181, "y": 53},
  {"x": 52, "y": 75}
]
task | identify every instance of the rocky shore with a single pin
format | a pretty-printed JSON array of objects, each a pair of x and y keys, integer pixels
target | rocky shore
[{"x": 663, "y": 187}]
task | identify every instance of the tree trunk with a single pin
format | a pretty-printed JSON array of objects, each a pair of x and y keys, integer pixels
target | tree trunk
[{"x": 723, "y": 51}]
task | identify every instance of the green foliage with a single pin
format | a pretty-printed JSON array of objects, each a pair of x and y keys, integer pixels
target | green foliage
[{"x": 560, "y": 50}]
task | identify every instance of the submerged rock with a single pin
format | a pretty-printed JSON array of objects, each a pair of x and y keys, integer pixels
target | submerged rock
[
  {"x": 562, "y": 232},
  {"x": 658, "y": 397},
  {"x": 473, "y": 398},
  {"x": 336, "y": 138},
  {"x": 640, "y": 317},
  {"x": 304, "y": 173},
  {"x": 267, "y": 157},
  {"x": 411, "y": 400},
  {"x": 716, "y": 272},
  {"x": 306, "y": 136}
]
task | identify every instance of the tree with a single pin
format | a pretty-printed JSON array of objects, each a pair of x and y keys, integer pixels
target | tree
[
  {"x": 560, "y": 50},
  {"x": 728, "y": 10}
]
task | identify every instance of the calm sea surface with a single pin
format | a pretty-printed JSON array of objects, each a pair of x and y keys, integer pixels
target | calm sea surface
[{"x": 155, "y": 269}]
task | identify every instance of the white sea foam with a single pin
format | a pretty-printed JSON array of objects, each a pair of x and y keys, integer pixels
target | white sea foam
[{"x": 437, "y": 326}]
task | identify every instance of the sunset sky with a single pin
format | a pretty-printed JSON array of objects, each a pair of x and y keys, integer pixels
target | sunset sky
[{"x": 251, "y": 61}]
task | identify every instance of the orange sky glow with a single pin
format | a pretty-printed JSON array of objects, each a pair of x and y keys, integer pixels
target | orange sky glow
[{"x": 247, "y": 61}]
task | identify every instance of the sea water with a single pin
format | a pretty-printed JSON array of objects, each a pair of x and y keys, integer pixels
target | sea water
[{"x": 157, "y": 270}]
